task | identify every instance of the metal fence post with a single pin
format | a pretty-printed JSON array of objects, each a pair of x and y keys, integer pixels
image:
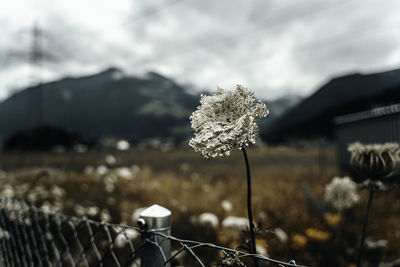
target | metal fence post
[{"x": 156, "y": 252}]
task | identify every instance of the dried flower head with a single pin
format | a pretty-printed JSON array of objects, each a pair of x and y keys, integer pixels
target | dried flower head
[
  {"x": 229, "y": 259},
  {"x": 226, "y": 120},
  {"x": 375, "y": 161},
  {"x": 341, "y": 193}
]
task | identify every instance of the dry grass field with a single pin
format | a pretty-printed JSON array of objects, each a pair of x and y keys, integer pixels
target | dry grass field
[{"x": 288, "y": 189}]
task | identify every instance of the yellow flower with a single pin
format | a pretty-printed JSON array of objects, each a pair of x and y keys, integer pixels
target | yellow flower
[
  {"x": 317, "y": 235},
  {"x": 333, "y": 219},
  {"x": 299, "y": 241}
]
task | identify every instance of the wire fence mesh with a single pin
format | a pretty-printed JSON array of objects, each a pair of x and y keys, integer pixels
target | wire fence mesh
[{"x": 30, "y": 236}]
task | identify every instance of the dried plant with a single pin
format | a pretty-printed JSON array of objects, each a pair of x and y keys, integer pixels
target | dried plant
[
  {"x": 229, "y": 259},
  {"x": 375, "y": 161},
  {"x": 341, "y": 193},
  {"x": 224, "y": 121}
]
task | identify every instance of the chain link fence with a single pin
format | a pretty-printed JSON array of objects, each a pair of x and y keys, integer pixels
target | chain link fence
[{"x": 30, "y": 236}]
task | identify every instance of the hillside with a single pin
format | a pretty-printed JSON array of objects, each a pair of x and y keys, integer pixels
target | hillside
[
  {"x": 351, "y": 93},
  {"x": 105, "y": 104},
  {"x": 111, "y": 104}
]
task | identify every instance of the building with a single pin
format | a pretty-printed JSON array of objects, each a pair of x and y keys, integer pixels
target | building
[
  {"x": 377, "y": 125},
  {"x": 313, "y": 117}
]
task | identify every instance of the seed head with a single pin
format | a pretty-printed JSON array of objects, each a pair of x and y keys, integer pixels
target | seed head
[
  {"x": 375, "y": 161},
  {"x": 226, "y": 120},
  {"x": 341, "y": 193}
]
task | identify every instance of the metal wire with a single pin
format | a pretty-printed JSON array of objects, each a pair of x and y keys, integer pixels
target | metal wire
[{"x": 30, "y": 236}]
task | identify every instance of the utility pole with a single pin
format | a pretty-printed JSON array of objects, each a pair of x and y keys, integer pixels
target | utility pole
[
  {"x": 35, "y": 93},
  {"x": 36, "y": 56}
]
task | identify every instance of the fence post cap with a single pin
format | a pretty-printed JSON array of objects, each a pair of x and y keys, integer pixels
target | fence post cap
[{"x": 156, "y": 217}]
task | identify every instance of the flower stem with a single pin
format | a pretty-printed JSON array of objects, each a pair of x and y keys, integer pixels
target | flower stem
[
  {"x": 249, "y": 212},
  {"x": 360, "y": 252}
]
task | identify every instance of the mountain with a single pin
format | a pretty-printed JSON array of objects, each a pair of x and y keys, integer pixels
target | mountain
[
  {"x": 102, "y": 105},
  {"x": 107, "y": 104},
  {"x": 277, "y": 108},
  {"x": 313, "y": 117}
]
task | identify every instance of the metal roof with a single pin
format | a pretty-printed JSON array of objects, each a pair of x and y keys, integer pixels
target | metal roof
[{"x": 368, "y": 114}]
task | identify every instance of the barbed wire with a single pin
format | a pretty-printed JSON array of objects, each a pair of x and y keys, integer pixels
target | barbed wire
[{"x": 30, "y": 236}]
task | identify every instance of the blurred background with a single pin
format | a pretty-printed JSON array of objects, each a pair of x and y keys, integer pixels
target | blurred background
[{"x": 95, "y": 97}]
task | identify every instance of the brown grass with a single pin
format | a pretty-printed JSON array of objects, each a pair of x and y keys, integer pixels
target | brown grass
[{"x": 189, "y": 185}]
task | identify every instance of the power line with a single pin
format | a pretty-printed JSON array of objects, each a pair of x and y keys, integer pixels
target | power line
[{"x": 35, "y": 55}]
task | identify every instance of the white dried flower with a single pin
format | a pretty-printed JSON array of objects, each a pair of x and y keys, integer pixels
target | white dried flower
[
  {"x": 105, "y": 215},
  {"x": 375, "y": 161},
  {"x": 226, "y": 205},
  {"x": 4, "y": 234},
  {"x": 92, "y": 211},
  {"x": 281, "y": 235},
  {"x": 209, "y": 218},
  {"x": 226, "y": 120},
  {"x": 125, "y": 236},
  {"x": 235, "y": 222},
  {"x": 110, "y": 160},
  {"x": 101, "y": 170},
  {"x": 124, "y": 173},
  {"x": 341, "y": 193},
  {"x": 57, "y": 191}
]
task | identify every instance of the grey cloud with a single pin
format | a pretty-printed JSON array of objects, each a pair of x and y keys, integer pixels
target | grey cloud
[{"x": 275, "y": 46}]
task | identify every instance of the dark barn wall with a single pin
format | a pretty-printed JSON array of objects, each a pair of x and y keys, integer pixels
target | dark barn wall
[{"x": 380, "y": 129}]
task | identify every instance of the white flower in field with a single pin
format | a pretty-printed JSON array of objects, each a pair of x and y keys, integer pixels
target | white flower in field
[
  {"x": 124, "y": 173},
  {"x": 226, "y": 205},
  {"x": 341, "y": 193},
  {"x": 281, "y": 235},
  {"x": 123, "y": 237},
  {"x": 79, "y": 210},
  {"x": 88, "y": 170},
  {"x": 92, "y": 211},
  {"x": 238, "y": 223},
  {"x": 8, "y": 191},
  {"x": 261, "y": 250},
  {"x": 226, "y": 120},
  {"x": 101, "y": 170},
  {"x": 4, "y": 234},
  {"x": 123, "y": 145},
  {"x": 32, "y": 196},
  {"x": 109, "y": 187},
  {"x": 46, "y": 206},
  {"x": 105, "y": 215},
  {"x": 375, "y": 161},
  {"x": 376, "y": 244},
  {"x": 110, "y": 160},
  {"x": 57, "y": 191},
  {"x": 208, "y": 218},
  {"x": 27, "y": 222}
]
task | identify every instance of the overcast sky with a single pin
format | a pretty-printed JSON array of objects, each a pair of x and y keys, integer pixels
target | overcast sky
[{"x": 274, "y": 47}]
